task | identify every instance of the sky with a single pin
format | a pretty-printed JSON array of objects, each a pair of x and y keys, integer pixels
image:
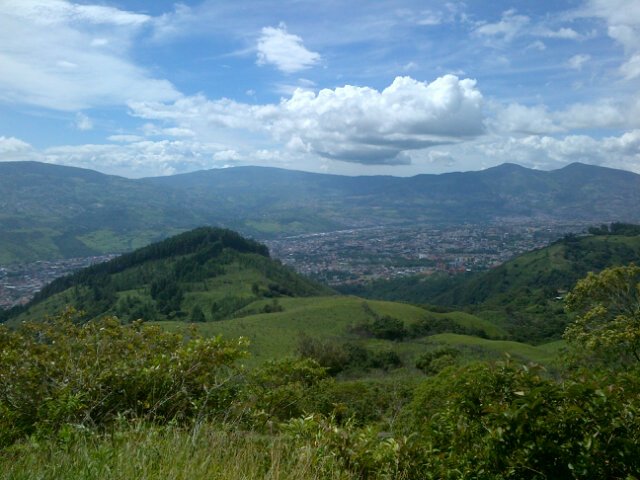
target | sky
[{"x": 146, "y": 88}]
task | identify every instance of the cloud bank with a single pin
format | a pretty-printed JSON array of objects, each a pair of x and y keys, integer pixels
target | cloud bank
[{"x": 349, "y": 123}]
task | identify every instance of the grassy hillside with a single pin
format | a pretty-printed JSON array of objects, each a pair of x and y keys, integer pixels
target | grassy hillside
[
  {"x": 333, "y": 321},
  {"x": 525, "y": 295},
  {"x": 229, "y": 285},
  {"x": 548, "y": 271}
]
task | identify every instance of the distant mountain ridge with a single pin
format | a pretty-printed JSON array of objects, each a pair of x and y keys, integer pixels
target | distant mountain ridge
[
  {"x": 50, "y": 211},
  {"x": 508, "y": 191}
]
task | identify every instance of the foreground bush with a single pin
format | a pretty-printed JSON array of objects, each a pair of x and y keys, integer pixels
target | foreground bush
[
  {"x": 85, "y": 389},
  {"x": 507, "y": 421},
  {"x": 58, "y": 372},
  {"x": 279, "y": 390}
]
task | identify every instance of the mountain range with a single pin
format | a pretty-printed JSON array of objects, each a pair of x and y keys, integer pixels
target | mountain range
[{"x": 51, "y": 211}]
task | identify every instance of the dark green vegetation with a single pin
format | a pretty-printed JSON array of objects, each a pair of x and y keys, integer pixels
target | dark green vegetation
[
  {"x": 525, "y": 295},
  {"x": 203, "y": 274},
  {"x": 134, "y": 401},
  {"x": 230, "y": 286},
  {"x": 324, "y": 386},
  {"x": 49, "y": 211}
]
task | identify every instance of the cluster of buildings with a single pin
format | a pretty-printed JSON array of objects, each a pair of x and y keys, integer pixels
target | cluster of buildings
[
  {"x": 353, "y": 256},
  {"x": 362, "y": 255},
  {"x": 18, "y": 283}
]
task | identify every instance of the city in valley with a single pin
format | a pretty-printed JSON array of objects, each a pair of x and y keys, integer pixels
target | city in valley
[
  {"x": 18, "y": 283},
  {"x": 344, "y": 257},
  {"x": 362, "y": 255}
]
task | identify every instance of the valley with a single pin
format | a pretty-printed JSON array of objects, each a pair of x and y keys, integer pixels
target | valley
[
  {"x": 296, "y": 240},
  {"x": 205, "y": 333},
  {"x": 360, "y": 256},
  {"x": 54, "y": 212},
  {"x": 347, "y": 257}
]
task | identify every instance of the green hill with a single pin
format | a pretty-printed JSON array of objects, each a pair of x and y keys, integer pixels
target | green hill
[
  {"x": 230, "y": 286},
  {"x": 331, "y": 323},
  {"x": 51, "y": 211},
  {"x": 203, "y": 274},
  {"x": 277, "y": 334},
  {"x": 525, "y": 295}
]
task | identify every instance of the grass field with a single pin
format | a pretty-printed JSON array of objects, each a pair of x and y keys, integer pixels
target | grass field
[
  {"x": 276, "y": 335},
  {"x": 544, "y": 354},
  {"x": 152, "y": 453}
]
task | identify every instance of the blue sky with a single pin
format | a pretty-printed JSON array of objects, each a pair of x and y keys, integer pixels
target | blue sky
[{"x": 145, "y": 88}]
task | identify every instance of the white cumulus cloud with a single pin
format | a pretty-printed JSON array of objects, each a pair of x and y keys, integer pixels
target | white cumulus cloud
[
  {"x": 519, "y": 118},
  {"x": 602, "y": 114},
  {"x": 364, "y": 125},
  {"x": 350, "y": 123},
  {"x": 284, "y": 50},
  {"x": 67, "y": 56},
  {"x": 12, "y": 148},
  {"x": 607, "y": 113}
]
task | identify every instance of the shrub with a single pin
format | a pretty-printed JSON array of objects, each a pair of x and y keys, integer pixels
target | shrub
[
  {"x": 328, "y": 353},
  {"x": 56, "y": 372},
  {"x": 385, "y": 360},
  {"x": 361, "y": 451},
  {"x": 272, "y": 307},
  {"x": 385, "y": 327},
  {"x": 280, "y": 390},
  {"x": 430, "y": 325},
  {"x": 338, "y": 356},
  {"x": 197, "y": 315},
  {"x": 434, "y": 361},
  {"x": 512, "y": 422},
  {"x": 362, "y": 401}
]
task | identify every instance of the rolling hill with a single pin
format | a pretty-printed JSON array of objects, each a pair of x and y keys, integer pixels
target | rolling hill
[
  {"x": 329, "y": 320},
  {"x": 49, "y": 211},
  {"x": 230, "y": 286},
  {"x": 523, "y": 295},
  {"x": 214, "y": 271}
]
